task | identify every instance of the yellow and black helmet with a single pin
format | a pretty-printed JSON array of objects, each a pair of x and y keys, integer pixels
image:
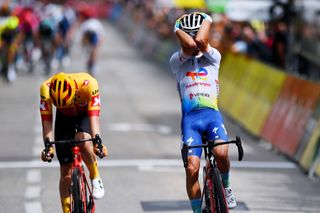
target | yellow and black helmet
[{"x": 62, "y": 90}]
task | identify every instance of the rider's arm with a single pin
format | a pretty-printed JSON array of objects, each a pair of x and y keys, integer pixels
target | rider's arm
[
  {"x": 47, "y": 130},
  {"x": 188, "y": 45},
  {"x": 202, "y": 41},
  {"x": 94, "y": 104},
  {"x": 46, "y": 119},
  {"x": 202, "y": 37},
  {"x": 94, "y": 113},
  {"x": 94, "y": 125},
  {"x": 46, "y": 110}
]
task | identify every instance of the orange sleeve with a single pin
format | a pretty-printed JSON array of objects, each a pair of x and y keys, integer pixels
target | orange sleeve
[
  {"x": 45, "y": 101},
  {"x": 94, "y": 102}
]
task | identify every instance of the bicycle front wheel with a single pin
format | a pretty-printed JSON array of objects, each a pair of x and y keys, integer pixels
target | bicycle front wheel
[
  {"x": 218, "y": 190},
  {"x": 206, "y": 193},
  {"x": 78, "y": 192}
]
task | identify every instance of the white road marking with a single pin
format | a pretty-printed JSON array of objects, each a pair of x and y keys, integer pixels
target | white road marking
[
  {"x": 34, "y": 176},
  {"x": 147, "y": 163},
  {"x": 32, "y": 192},
  {"x": 139, "y": 127},
  {"x": 33, "y": 207}
]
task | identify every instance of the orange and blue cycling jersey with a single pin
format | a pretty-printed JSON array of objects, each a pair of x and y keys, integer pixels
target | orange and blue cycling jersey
[{"x": 87, "y": 98}]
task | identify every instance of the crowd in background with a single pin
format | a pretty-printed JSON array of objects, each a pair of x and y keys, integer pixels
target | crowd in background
[
  {"x": 42, "y": 32},
  {"x": 266, "y": 41},
  {"x": 263, "y": 41}
]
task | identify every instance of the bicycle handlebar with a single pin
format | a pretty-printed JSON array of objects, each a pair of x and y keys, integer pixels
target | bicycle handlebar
[
  {"x": 211, "y": 144},
  {"x": 75, "y": 142}
]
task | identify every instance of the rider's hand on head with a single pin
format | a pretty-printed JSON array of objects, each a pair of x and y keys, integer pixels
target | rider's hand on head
[
  {"x": 205, "y": 16},
  {"x": 47, "y": 157},
  {"x": 177, "y": 24},
  {"x": 97, "y": 150}
]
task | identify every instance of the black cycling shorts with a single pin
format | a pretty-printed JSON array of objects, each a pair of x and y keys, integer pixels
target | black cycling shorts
[{"x": 66, "y": 128}]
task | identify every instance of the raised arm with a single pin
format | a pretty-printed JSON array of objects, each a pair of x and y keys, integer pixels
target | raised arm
[
  {"x": 202, "y": 37},
  {"x": 187, "y": 43}
]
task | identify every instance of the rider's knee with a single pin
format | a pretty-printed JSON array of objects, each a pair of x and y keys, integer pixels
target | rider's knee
[{"x": 192, "y": 169}]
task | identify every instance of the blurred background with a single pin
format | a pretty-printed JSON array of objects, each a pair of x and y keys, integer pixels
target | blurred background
[{"x": 269, "y": 95}]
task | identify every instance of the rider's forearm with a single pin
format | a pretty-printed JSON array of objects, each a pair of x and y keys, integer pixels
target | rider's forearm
[
  {"x": 47, "y": 130},
  {"x": 95, "y": 125},
  {"x": 188, "y": 45},
  {"x": 202, "y": 38}
]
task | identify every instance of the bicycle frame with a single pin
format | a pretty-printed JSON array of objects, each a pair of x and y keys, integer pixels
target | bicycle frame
[
  {"x": 77, "y": 163},
  {"x": 210, "y": 168},
  {"x": 87, "y": 200}
]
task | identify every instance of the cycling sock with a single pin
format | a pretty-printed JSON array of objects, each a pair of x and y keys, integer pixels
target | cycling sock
[
  {"x": 66, "y": 203},
  {"x": 225, "y": 179},
  {"x": 93, "y": 170},
  {"x": 196, "y": 205}
]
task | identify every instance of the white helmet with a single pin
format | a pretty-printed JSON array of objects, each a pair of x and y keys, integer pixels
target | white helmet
[{"x": 191, "y": 23}]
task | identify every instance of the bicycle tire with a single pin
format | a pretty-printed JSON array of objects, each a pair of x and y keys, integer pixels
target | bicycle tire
[
  {"x": 219, "y": 196},
  {"x": 205, "y": 204},
  {"x": 78, "y": 200}
]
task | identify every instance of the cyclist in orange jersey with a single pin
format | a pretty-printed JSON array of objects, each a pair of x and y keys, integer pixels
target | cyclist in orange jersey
[{"x": 77, "y": 101}]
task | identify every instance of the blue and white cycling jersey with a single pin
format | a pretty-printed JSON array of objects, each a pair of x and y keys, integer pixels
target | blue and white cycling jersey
[
  {"x": 197, "y": 79},
  {"x": 198, "y": 86}
]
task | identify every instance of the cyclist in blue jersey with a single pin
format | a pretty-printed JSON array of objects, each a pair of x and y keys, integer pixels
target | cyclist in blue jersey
[{"x": 196, "y": 68}]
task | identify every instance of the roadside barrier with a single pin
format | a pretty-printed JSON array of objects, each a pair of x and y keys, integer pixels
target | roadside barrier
[{"x": 279, "y": 108}]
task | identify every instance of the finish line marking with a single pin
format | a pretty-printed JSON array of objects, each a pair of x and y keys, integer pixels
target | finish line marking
[{"x": 148, "y": 163}]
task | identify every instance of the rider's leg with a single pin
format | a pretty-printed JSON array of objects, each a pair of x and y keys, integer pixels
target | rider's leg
[
  {"x": 92, "y": 60},
  {"x": 192, "y": 183},
  {"x": 223, "y": 162},
  {"x": 64, "y": 184},
  {"x": 90, "y": 160},
  {"x": 190, "y": 127},
  {"x": 88, "y": 155}
]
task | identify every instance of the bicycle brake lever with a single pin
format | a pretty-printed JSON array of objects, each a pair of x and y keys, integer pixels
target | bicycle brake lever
[
  {"x": 240, "y": 148},
  {"x": 99, "y": 143},
  {"x": 46, "y": 148}
]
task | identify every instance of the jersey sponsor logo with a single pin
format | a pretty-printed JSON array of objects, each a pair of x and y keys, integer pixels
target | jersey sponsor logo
[
  {"x": 201, "y": 74},
  {"x": 85, "y": 83},
  {"x": 189, "y": 141},
  {"x": 197, "y": 84},
  {"x": 192, "y": 95},
  {"x": 95, "y": 92},
  {"x": 96, "y": 100},
  {"x": 215, "y": 130},
  {"x": 217, "y": 86},
  {"x": 43, "y": 106}
]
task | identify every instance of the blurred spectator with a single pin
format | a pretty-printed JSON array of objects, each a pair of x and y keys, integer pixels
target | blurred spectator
[{"x": 279, "y": 44}]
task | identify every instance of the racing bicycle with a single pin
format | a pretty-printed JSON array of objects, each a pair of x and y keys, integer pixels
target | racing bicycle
[
  {"x": 80, "y": 192},
  {"x": 213, "y": 198}
]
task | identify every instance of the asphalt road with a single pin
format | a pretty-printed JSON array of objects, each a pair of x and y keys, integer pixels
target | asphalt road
[{"x": 140, "y": 121}]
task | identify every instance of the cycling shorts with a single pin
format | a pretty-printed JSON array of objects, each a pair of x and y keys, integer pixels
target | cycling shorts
[
  {"x": 46, "y": 32},
  {"x": 201, "y": 123},
  {"x": 8, "y": 36},
  {"x": 64, "y": 26},
  {"x": 91, "y": 37},
  {"x": 65, "y": 129}
]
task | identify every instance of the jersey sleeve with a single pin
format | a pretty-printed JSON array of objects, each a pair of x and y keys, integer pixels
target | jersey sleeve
[
  {"x": 94, "y": 102},
  {"x": 176, "y": 60},
  {"x": 45, "y": 101},
  {"x": 213, "y": 55}
]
